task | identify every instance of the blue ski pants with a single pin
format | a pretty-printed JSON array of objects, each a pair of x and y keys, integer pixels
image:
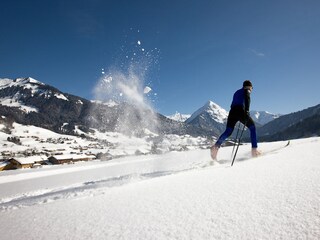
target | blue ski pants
[{"x": 235, "y": 115}]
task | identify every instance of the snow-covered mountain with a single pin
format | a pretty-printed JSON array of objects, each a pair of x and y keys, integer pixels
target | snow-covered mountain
[
  {"x": 31, "y": 102},
  {"x": 213, "y": 110},
  {"x": 270, "y": 127},
  {"x": 210, "y": 117},
  {"x": 15, "y": 93},
  {"x": 179, "y": 117},
  {"x": 263, "y": 117},
  {"x": 213, "y": 117}
]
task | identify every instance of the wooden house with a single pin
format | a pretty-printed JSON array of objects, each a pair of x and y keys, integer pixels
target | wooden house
[
  {"x": 70, "y": 158},
  {"x": 26, "y": 162}
]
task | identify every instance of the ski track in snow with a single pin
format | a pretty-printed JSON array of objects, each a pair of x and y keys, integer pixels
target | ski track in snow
[
  {"x": 275, "y": 196},
  {"x": 91, "y": 188},
  {"x": 98, "y": 187},
  {"x": 88, "y": 188}
]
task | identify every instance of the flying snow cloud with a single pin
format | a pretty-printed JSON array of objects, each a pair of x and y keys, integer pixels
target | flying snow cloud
[
  {"x": 123, "y": 87},
  {"x": 125, "y": 82}
]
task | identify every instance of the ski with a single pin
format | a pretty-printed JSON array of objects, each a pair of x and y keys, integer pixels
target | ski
[
  {"x": 276, "y": 149},
  {"x": 222, "y": 163},
  {"x": 264, "y": 153}
]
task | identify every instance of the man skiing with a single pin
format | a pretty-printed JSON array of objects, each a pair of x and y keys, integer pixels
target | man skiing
[{"x": 239, "y": 112}]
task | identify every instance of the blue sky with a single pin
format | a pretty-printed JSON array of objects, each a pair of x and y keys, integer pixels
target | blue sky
[{"x": 202, "y": 50}]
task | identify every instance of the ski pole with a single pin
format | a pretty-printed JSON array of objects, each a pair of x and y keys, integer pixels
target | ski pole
[
  {"x": 234, "y": 157},
  {"x": 235, "y": 140}
]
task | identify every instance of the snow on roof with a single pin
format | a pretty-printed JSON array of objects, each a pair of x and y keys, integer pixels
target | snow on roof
[
  {"x": 30, "y": 160},
  {"x": 72, "y": 156},
  {"x": 3, "y": 164}
]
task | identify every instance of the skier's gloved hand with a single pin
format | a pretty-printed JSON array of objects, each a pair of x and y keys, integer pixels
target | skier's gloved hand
[{"x": 247, "y": 115}]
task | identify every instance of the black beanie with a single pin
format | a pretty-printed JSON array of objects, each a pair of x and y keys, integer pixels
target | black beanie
[{"x": 247, "y": 83}]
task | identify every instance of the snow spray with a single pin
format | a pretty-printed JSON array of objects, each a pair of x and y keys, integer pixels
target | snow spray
[{"x": 124, "y": 88}]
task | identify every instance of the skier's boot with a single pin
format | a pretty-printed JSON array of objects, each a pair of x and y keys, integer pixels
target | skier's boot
[
  {"x": 255, "y": 152},
  {"x": 214, "y": 152}
]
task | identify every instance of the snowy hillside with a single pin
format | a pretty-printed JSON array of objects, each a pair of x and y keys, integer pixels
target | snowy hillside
[
  {"x": 275, "y": 196},
  {"x": 17, "y": 100},
  {"x": 263, "y": 117},
  {"x": 29, "y": 83}
]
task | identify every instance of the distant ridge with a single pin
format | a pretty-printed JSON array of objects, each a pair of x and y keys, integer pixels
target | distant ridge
[{"x": 31, "y": 102}]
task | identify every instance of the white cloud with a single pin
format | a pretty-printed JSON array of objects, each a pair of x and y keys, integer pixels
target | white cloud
[{"x": 259, "y": 54}]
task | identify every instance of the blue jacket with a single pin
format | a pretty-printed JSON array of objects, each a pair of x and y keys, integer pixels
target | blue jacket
[{"x": 241, "y": 98}]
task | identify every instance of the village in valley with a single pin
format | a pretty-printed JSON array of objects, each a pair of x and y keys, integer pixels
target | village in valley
[
  {"x": 33, "y": 147},
  {"x": 33, "y": 157}
]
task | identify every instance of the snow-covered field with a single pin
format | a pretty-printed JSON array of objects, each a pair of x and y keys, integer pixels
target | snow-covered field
[{"x": 275, "y": 196}]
